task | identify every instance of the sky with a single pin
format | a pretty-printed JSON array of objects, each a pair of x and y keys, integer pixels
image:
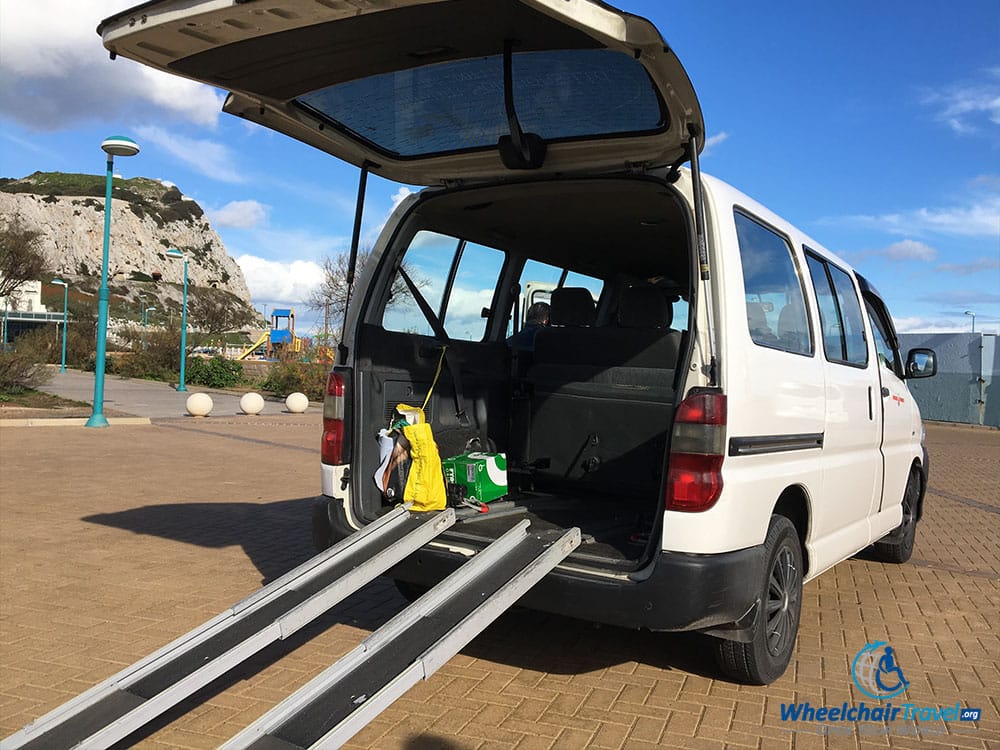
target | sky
[{"x": 872, "y": 126}]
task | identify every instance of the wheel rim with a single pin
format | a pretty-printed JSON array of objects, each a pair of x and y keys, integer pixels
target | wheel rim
[
  {"x": 782, "y": 601},
  {"x": 910, "y": 503}
]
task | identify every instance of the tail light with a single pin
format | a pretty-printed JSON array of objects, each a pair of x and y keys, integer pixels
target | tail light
[
  {"x": 332, "y": 451},
  {"x": 694, "y": 476}
]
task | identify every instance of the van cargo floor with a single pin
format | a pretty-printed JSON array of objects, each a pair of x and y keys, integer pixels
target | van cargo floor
[{"x": 615, "y": 532}]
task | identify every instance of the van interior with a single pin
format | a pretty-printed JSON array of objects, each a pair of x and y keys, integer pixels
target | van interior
[{"x": 585, "y": 416}]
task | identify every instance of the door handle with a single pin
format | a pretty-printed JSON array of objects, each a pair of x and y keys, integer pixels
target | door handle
[{"x": 885, "y": 392}]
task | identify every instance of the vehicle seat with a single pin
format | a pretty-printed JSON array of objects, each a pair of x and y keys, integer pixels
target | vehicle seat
[
  {"x": 757, "y": 320},
  {"x": 644, "y": 307},
  {"x": 602, "y": 397},
  {"x": 572, "y": 306},
  {"x": 793, "y": 329},
  {"x": 572, "y": 313}
]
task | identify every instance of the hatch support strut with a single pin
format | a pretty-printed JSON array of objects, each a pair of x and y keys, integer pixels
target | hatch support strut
[
  {"x": 359, "y": 206},
  {"x": 519, "y": 150},
  {"x": 702, "y": 236}
]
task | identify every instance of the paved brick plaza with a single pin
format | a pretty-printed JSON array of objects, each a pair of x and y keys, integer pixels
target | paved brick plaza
[{"x": 114, "y": 542}]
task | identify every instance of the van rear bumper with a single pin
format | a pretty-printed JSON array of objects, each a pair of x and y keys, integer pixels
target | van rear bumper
[
  {"x": 679, "y": 591},
  {"x": 684, "y": 592}
]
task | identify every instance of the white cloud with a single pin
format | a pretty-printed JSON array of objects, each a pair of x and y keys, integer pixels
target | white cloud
[
  {"x": 210, "y": 158},
  {"x": 374, "y": 230},
  {"x": 969, "y": 106},
  {"x": 289, "y": 283},
  {"x": 320, "y": 195},
  {"x": 918, "y": 324},
  {"x": 981, "y": 218},
  {"x": 947, "y": 322},
  {"x": 239, "y": 214},
  {"x": 907, "y": 250},
  {"x": 979, "y": 265},
  {"x": 713, "y": 141},
  {"x": 56, "y": 72},
  {"x": 400, "y": 195},
  {"x": 469, "y": 303},
  {"x": 300, "y": 242},
  {"x": 962, "y": 297},
  {"x": 23, "y": 143}
]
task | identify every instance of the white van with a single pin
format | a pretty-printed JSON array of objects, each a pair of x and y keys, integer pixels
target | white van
[{"x": 729, "y": 419}]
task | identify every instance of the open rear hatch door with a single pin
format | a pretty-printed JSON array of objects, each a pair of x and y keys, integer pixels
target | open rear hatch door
[{"x": 426, "y": 91}]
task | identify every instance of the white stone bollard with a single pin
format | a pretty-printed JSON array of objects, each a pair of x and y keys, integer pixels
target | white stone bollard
[
  {"x": 296, "y": 403},
  {"x": 199, "y": 404},
  {"x": 252, "y": 403}
]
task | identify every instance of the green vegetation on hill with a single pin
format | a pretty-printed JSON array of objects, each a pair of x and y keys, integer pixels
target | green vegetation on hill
[{"x": 146, "y": 197}]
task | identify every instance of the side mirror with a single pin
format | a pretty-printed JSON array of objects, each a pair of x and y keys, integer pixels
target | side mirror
[{"x": 921, "y": 363}]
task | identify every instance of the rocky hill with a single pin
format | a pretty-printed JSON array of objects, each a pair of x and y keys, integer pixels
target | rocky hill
[{"x": 147, "y": 218}]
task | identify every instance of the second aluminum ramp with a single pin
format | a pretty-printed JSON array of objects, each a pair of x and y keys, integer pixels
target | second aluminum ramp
[
  {"x": 338, "y": 703},
  {"x": 132, "y": 698}
]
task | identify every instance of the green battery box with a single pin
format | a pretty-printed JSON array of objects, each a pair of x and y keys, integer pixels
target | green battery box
[{"x": 481, "y": 476}]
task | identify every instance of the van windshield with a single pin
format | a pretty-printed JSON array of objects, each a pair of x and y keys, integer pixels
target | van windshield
[{"x": 459, "y": 105}]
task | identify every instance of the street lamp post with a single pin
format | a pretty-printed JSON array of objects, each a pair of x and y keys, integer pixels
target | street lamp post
[
  {"x": 176, "y": 254},
  {"x": 116, "y": 145},
  {"x": 65, "y": 286},
  {"x": 969, "y": 312},
  {"x": 145, "y": 319}
]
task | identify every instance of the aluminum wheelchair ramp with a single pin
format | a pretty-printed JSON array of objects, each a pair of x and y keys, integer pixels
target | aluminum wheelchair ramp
[
  {"x": 337, "y": 704},
  {"x": 112, "y": 710}
]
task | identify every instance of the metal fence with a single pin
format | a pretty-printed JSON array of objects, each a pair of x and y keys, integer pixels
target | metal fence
[{"x": 966, "y": 386}]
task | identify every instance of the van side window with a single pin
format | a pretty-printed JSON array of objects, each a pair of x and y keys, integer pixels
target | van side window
[
  {"x": 456, "y": 278},
  {"x": 839, "y": 313},
  {"x": 776, "y": 310},
  {"x": 888, "y": 358}
]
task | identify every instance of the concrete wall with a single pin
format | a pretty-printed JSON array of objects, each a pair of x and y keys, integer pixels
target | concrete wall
[{"x": 966, "y": 388}]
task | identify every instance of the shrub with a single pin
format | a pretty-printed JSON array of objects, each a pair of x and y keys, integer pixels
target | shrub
[
  {"x": 303, "y": 377},
  {"x": 217, "y": 372},
  {"x": 137, "y": 365},
  {"x": 23, "y": 365}
]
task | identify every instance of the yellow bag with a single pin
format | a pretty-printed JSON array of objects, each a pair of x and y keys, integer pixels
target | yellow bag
[
  {"x": 425, "y": 484},
  {"x": 412, "y": 460}
]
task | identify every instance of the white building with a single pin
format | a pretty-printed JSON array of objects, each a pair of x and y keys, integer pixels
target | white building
[{"x": 27, "y": 298}]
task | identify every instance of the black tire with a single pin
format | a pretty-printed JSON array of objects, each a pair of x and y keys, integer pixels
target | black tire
[
  {"x": 897, "y": 546},
  {"x": 765, "y": 657}
]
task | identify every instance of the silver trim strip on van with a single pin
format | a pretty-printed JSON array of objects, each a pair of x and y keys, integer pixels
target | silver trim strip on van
[{"x": 758, "y": 444}]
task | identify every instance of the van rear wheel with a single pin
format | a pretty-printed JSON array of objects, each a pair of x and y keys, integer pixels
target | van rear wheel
[
  {"x": 765, "y": 657},
  {"x": 897, "y": 546}
]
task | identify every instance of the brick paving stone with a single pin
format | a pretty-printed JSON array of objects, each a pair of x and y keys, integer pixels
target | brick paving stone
[
  {"x": 573, "y": 739},
  {"x": 535, "y": 743},
  {"x": 682, "y": 724},
  {"x": 610, "y": 737},
  {"x": 145, "y": 532},
  {"x": 538, "y": 726},
  {"x": 647, "y": 729}
]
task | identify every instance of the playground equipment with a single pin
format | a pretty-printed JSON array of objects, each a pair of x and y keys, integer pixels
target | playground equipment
[{"x": 279, "y": 340}]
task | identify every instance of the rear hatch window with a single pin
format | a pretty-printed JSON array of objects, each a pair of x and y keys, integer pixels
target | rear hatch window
[{"x": 455, "y": 106}]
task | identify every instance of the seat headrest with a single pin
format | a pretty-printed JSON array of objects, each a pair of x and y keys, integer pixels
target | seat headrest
[
  {"x": 644, "y": 307},
  {"x": 572, "y": 306},
  {"x": 792, "y": 319},
  {"x": 756, "y": 316}
]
